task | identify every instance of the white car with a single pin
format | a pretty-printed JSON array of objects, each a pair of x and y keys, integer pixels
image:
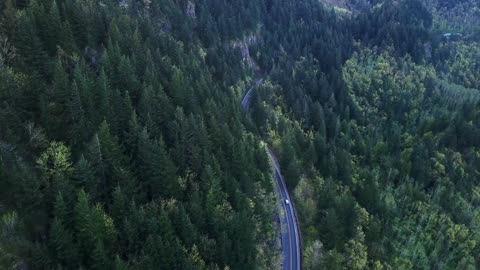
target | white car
[{"x": 287, "y": 201}]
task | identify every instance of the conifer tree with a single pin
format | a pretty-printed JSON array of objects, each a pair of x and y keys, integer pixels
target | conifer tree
[
  {"x": 62, "y": 244},
  {"x": 53, "y": 29},
  {"x": 77, "y": 116}
]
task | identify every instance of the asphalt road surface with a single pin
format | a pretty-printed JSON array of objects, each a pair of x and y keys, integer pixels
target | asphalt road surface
[
  {"x": 248, "y": 96},
  {"x": 290, "y": 232},
  {"x": 291, "y": 247}
]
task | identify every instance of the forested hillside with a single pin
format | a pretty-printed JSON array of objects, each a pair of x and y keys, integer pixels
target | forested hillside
[
  {"x": 123, "y": 144},
  {"x": 455, "y": 16},
  {"x": 382, "y": 154},
  {"x": 119, "y": 149}
]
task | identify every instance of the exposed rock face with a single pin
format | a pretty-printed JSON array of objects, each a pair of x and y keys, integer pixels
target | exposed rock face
[
  {"x": 428, "y": 49},
  {"x": 191, "y": 10},
  {"x": 244, "y": 46},
  {"x": 352, "y": 6},
  {"x": 123, "y": 4}
]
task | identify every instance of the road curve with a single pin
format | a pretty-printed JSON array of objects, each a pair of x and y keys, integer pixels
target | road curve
[
  {"x": 291, "y": 247},
  {"x": 248, "y": 96}
]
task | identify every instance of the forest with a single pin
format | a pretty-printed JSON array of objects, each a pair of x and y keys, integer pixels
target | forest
[{"x": 123, "y": 143}]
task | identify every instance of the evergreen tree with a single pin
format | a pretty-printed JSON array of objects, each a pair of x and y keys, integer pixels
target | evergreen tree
[
  {"x": 77, "y": 117},
  {"x": 53, "y": 29},
  {"x": 82, "y": 229},
  {"x": 62, "y": 244}
]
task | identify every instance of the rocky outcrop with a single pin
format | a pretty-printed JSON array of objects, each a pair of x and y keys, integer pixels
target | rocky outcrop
[
  {"x": 190, "y": 11},
  {"x": 351, "y": 6},
  {"x": 244, "y": 46}
]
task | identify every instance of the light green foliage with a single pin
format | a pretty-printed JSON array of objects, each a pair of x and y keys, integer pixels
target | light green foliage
[
  {"x": 55, "y": 171},
  {"x": 55, "y": 162},
  {"x": 381, "y": 84},
  {"x": 356, "y": 252},
  {"x": 313, "y": 255},
  {"x": 461, "y": 65},
  {"x": 392, "y": 175}
]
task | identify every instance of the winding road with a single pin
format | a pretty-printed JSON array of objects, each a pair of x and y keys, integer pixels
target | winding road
[
  {"x": 247, "y": 99},
  {"x": 291, "y": 247}
]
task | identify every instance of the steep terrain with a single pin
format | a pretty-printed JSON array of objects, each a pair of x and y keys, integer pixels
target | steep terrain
[
  {"x": 124, "y": 144},
  {"x": 449, "y": 15}
]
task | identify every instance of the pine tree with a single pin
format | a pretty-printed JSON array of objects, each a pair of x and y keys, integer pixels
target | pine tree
[
  {"x": 100, "y": 259},
  {"x": 183, "y": 225},
  {"x": 96, "y": 158},
  {"x": 113, "y": 162},
  {"x": 318, "y": 119},
  {"x": 61, "y": 212},
  {"x": 124, "y": 114},
  {"x": 119, "y": 205},
  {"x": 32, "y": 54},
  {"x": 128, "y": 82},
  {"x": 79, "y": 21},
  {"x": 8, "y": 18},
  {"x": 178, "y": 88},
  {"x": 62, "y": 244},
  {"x": 58, "y": 97},
  {"x": 157, "y": 168},
  {"x": 53, "y": 29},
  {"x": 67, "y": 41},
  {"x": 77, "y": 117},
  {"x": 112, "y": 62},
  {"x": 120, "y": 264},
  {"x": 84, "y": 177},
  {"x": 82, "y": 225},
  {"x": 102, "y": 97},
  {"x": 117, "y": 116},
  {"x": 131, "y": 133},
  {"x": 40, "y": 257}
]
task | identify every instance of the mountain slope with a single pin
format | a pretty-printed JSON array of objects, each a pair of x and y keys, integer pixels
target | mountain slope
[{"x": 123, "y": 143}]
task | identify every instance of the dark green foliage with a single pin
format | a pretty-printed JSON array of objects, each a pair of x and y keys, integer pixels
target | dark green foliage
[
  {"x": 123, "y": 144},
  {"x": 404, "y": 24},
  {"x": 105, "y": 144},
  {"x": 62, "y": 245}
]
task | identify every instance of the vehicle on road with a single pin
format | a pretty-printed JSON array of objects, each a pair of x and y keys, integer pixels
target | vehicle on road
[{"x": 287, "y": 201}]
